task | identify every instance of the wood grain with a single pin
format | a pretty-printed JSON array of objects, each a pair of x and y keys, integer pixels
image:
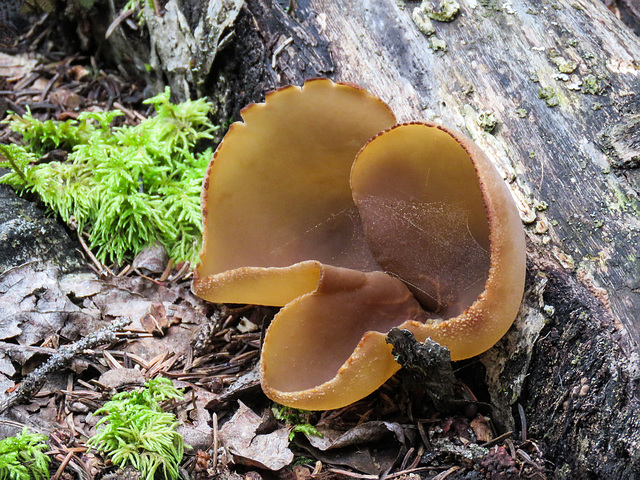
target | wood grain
[{"x": 552, "y": 157}]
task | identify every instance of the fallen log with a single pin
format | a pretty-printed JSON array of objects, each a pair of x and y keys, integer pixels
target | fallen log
[{"x": 551, "y": 92}]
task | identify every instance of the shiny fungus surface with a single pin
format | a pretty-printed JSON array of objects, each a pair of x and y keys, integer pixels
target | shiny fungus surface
[{"x": 319, "y": 203}]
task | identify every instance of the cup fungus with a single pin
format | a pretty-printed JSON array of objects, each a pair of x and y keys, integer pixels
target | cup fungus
[{"x": 308, "y": 206}]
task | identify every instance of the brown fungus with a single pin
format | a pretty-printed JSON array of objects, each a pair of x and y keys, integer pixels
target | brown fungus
[{"x": 307, "y": 206}]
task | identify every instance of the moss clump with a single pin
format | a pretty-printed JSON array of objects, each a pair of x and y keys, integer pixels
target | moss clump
[
  {"x": 592, "y": 85},
  {"x": 522, "y": 112},
  {"x": 297, "y": 420},
  {"x": 549, "y": 95},
  {"x": 127, "y": 187},
  {"x": 22, "y": 457},
  {"x": 137, "y": 431}
]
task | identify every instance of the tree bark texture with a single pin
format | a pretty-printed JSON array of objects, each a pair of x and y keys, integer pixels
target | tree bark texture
[{"x": 562, "y": 79}]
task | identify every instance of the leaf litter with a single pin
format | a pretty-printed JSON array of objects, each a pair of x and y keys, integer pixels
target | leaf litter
[{"x": 210, "y": 351}]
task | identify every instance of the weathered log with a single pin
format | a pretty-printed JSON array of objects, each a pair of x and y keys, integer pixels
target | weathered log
[
  {"x": 571, "y": 359},
  {"x": 551, "y": 93}
]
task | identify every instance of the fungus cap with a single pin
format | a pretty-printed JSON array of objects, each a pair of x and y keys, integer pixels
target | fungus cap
[
  {"x": 307, "y": 206},
  {"x": 277, "y": 193},
  {"x": 447, "y": 226}
]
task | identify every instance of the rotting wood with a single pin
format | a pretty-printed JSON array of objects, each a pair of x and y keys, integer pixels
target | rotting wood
[
  {"x": 577, "y": 202},
  {"x": 562, "y": 80}
]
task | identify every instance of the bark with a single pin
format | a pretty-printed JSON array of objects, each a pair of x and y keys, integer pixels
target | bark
[{"x": 562, "y": 79}]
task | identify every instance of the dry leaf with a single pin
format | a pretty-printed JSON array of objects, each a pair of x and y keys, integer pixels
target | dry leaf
[
  {"x": 152, "y": 259},
  {"x": 481, "y": 426},
  {"x": 371, "y": 448},
  {"x": 270, "y": 451},
  {"x": 16, "y": 65},
  {"x": 155, "y": 321}
]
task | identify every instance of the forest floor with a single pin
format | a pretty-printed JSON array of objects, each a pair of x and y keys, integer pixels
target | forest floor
[{"x": 210, "y": 351}]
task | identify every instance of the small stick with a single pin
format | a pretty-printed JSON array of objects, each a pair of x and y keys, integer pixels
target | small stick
[
  {"x": 63, "y": 464},
  {"x": 120, "y": 18},
  {"x": 287, "y": 42},
  {"x": 34, "y": 381},
  {"x": 215, "y": 440},
  {"x": 167, "y": 271},
  {"x": 101, "y": 268}
]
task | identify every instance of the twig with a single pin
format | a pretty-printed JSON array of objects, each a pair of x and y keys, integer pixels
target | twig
[
  {"x": 167, "y": 270},
  {"x": 124, "y": 110},
  {"x": 119, "y": 19},
  {"x": 6, "y": 347},
  {"x": 286, "y": 43},
  {"x": 47, "y": 89},
  {"x": 34, "y": 381},
  {"x": 497, "y": 440},
  {"x": 20, "y": 426},
  {"x": 523, "y": 423},
  {"x": 181, "y": 272},
  {"x": 443, "y": 475},
  {"x": 63, "y": 464},
  {"x": 348, "y": 473},
  {"x": 215, "y": 440},
  {"x": 102, "y": 268}
]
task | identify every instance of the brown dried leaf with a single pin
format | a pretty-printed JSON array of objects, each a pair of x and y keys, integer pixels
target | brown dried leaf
[
  {"x": 239, "y": 437},
  {"x": 195, "y": 419},
  {"x": 481, "y": 426},
  {"x": 118, "y": 378},
  {"x": 152, "y": 259},
  {"x": 356, "y": 448},
  {"x": 16, "y": 65},
  {"x": 368, "y": 432},
  {"x": 6, "y": 371},
  {"x": 155, "y": 321},
  {"x": 32, "y": 305},
  {"x": 78, "y": 72},
  {"x": 66, "y": 99}
]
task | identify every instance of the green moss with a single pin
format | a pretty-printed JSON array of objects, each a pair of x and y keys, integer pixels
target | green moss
[
  {"x": 138, "y": 431},
  {"x": 522, "y": 112},
  {"x": 127, "y": 187},
  {"x": 592, "y": 85},
  {"x": 297, "y": 420},
  {"x": 22, "y": 457},
  {"x": 549, "y": 96},
  {"x": 437, "y": 45},
  {"x": 596, "y": 106}
]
